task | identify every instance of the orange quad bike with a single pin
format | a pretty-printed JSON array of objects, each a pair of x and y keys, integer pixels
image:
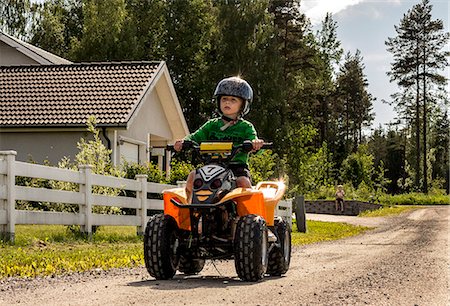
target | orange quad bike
[{"x": 222, "y": 222}]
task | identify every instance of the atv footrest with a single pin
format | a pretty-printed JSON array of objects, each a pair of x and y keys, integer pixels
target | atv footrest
[{"x": 190, "y": 206}]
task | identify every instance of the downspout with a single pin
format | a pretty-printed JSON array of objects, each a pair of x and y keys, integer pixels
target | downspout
[{"x": 108, "y": 141}]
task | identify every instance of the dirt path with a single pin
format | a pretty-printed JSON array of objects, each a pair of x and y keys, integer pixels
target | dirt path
[{"x": 405, "y": 261}]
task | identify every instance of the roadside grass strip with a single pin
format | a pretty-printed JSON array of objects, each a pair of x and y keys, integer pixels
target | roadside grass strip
[
  {"x": 318, "y": 231},
  {"x": 387, "y": 211}
]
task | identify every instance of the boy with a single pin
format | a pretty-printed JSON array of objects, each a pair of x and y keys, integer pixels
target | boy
[
  {"x": 340, "y": 198},
  {"x": 233, "y": 97}
]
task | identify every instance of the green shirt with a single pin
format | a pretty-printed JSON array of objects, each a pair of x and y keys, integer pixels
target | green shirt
[{"x": 238, "y": 132}]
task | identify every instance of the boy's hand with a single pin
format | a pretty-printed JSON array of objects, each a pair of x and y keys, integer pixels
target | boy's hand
[
  {"x": 257, "y": 144},
  {"x": 178, "y": 145}
]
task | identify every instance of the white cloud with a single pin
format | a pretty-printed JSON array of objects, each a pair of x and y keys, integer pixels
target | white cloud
[{"x": 317, "y": 9}]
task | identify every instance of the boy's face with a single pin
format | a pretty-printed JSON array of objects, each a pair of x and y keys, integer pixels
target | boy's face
[{"x": 231, "y": 106}]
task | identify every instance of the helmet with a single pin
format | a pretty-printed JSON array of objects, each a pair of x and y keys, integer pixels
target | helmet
[{"x": 237, "y": 87}]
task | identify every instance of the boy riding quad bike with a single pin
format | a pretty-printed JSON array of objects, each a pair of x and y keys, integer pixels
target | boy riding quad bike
[{"x": 221, "y": 222}]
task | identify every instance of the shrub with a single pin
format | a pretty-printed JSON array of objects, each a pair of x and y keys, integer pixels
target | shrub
[
  {"x": 179, "y": 170},
  {"x": 151, "y": 170},
  {"x": 261, "y": 166}
]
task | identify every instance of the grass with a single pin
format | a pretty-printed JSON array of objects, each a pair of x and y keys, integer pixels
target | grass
[
  {"x": 386, "y": 211},
  {"x": 46, "y": 250}
]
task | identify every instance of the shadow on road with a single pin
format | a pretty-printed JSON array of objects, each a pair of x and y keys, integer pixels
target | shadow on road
[{"x": 197, "y": 281}]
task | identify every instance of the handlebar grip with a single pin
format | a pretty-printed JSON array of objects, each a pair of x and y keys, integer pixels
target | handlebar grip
[
  {"x": 187, "y": 144},
  {"x": 267, "y": 145}
]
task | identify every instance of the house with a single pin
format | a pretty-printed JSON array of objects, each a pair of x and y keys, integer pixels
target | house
[
  {"x": 46, "y": 100},
  {"x": 13, "y": 51}
]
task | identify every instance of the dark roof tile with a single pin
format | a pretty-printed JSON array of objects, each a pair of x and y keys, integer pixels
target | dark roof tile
[{"x": 57, "y": 95}]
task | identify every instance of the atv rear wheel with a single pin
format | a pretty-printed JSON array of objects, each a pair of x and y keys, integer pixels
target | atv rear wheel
[
  {"x": 160, "y": 246},
  {"x": 250, "y": 248},
  {"x": 280, "y": 255},
  {"x": 191, "y": 266}
]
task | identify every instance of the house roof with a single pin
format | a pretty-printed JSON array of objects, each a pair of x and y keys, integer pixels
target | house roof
[
  {"x": 66, "y": 95},
  {"x": 39, "y": 55}
]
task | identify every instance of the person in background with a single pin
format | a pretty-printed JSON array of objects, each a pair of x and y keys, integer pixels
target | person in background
[{"x": 340, "y": 198}]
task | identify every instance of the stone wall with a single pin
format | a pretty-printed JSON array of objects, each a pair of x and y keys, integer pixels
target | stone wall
[{"x": 351, "y": 207}]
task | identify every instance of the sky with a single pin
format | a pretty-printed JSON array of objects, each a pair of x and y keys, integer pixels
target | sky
[{"x": 366, "y": 25}]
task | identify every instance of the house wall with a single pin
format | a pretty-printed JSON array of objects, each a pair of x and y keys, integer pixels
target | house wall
[
  {"x": 40, "y": 146},
  {"x": 10, "y": 56},
  {"x": 148, "y": 126}
]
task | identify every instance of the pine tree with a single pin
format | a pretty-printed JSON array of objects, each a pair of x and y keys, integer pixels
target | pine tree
[
  {"x": 354, "y": 108},
  {"x": 418, "y": 60}
]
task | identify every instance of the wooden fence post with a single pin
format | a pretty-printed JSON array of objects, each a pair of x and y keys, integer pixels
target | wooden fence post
[
  {"x": 143, "y": 209},
  {"x": 86, "y": 209},
  {"x": 300, "y": 213},
  {"x": 9, "y": 205}
]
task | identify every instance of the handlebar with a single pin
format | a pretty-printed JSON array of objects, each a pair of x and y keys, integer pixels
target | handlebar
[{"x": 246, "y": 146}]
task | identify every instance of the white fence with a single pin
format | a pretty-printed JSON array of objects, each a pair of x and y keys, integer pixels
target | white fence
[{"x": 10, "y": 193}]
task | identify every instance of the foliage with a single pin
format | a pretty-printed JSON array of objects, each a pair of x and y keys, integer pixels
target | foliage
[
  {"x": 150, "y": 169},
  {"x": 417, "y": 70},
  {"x": 434, "y": 197},
  {"x": 358, "y": 167},
  {"x": 354, "y": 103},
  {"x": 291, "y": 69},
  {"x": 262, "y": 166},
  {"x": 14, "y": 16},
  {"x": 179, "y": 170}
]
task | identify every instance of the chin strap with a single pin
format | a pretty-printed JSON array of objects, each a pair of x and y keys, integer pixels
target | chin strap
[{"x": 229, "y": 123}]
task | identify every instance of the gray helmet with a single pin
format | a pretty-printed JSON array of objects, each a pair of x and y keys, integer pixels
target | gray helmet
[{"x": 237, "y": 87}]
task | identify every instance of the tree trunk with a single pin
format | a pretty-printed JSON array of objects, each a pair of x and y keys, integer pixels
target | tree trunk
[
  {"x": 425, "y": 166},
  {"x": 417, "y": 178}
]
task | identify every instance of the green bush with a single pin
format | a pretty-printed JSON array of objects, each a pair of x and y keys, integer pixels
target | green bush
[
  {"x": 261, "y": 166},
  {"x": 151, "y": 170},
  {"x": 179, "y": 170},
  {"x": 415, "y": 198}
]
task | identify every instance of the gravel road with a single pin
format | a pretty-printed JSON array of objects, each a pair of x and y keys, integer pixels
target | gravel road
[{"x": 405, "y": 260}]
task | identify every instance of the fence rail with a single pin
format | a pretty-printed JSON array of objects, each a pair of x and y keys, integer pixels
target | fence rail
[{"x": 84, "y": 197}]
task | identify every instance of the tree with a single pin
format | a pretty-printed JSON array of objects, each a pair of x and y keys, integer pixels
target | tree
[
  {"x": 358, "y": 167},
  {"x": 102, "y": 25},
  {"x": 440, "y": 142},
  {"x": 418, "y": 62},
  {"x": 353, "y": 105},
  {"x": 55, "y": 24},
  {"x": 330, "y": 54},
  {"x": 190, "y": 27},
  {"x": 246, "y": 44},
  {"x": 14, "y": 16}
]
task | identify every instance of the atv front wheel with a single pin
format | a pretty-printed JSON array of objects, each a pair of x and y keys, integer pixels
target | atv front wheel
[
  {"x": 250, "y": 248},
  {"x": 160, "y": 246},
  {"x": 191, "y": 266},
  {"x": 280, "y": 255}
]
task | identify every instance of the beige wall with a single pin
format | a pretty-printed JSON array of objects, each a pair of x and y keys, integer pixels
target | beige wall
[
  {"x": 52, "y": 146},
  {"x": 10, "y": 56}
]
